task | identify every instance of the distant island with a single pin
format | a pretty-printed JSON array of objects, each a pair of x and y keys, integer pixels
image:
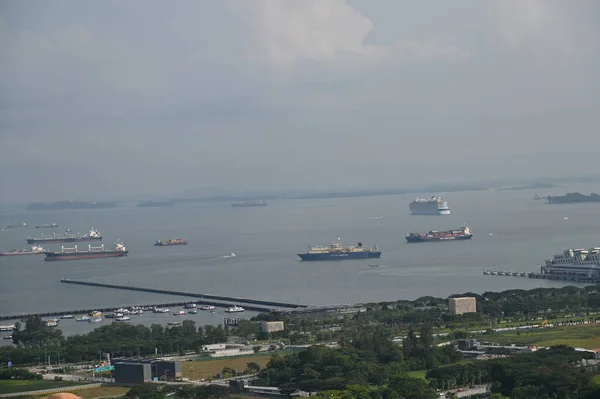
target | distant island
[
  {"x": 573, "y": 198},
  {"x": 63, "y": 205},
  {"x": 153, "y": 204}
]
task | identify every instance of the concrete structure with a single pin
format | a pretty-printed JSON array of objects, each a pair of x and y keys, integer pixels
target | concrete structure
[
  {"x": 166, "y": 370},
  {"x": 462, "y": 305},
  {"x": 230, "y": 352},
  {"x": 212, "y": 347},
  {"x": 271, "y": 326}
]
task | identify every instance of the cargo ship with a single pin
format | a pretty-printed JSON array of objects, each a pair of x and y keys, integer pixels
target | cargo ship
[
  {"x": 579, "y": 262},
  {"x": 464, "y": 233},
  {"x": 35, "y": 250},
  {"x": 173, "y": 241},
  {"x": 429, "y": 206},
  {"x": 249, "y": 203},
  {"x": 573, "y": 198},
  {"x": 45, "y": 226},
  {"x": 91, "y": 253},
  {"x": 91, "y": 235},
  {"x": 12, "y": 226},
  {"x": 337, "y": 252}
]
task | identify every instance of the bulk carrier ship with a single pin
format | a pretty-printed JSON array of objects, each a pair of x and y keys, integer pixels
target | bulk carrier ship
[
  {"x": 172, "y": 241},
  {"x": 91, "y": 235},
  {"x": 337, "y": 252},
  {"x": 431, "y": 206},
  {"x": 91, "y": 253}
]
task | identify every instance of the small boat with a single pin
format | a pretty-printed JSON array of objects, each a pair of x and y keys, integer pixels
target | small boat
[
  {"x": 7, "y": 337},
  {"x": 51, "y": 323},
  {"x": 95, "y": 320},
  {"x": 67, "y": 316},
  {"x": 193, "y": 311},
  {"x": 235, "y": 309},
  {"x": 180, "y": 313},
  {"x": 160, "y": 310},
  {"x": 190, "y": 305},
  {"x": 123, "y": 318},
  {"x": 207, "y": 307},
  {"x": 487, "y": 272},
  {"x": 35, "y": 250},
  {"x": 174, "y": 323},
  {"x": 7, "y": 327},
  {"x": 95, "y": 313},
  {"x": 82, "y": 318}
]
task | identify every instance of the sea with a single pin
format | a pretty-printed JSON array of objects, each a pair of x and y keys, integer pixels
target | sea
[{"x": 512, "y": 232}]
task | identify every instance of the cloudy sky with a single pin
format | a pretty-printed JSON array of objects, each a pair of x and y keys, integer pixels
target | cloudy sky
[{"x": 121, "y": 97}]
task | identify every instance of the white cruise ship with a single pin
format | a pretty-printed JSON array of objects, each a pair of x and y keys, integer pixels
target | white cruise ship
[
  {"x": 429, "y": 206},
  {"x": 574, "y": 262}
]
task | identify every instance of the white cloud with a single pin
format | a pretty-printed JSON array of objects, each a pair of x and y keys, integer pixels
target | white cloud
[{"x": 287, "y": 32}]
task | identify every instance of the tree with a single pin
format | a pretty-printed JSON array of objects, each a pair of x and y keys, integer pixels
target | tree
[
  {"x": 253, "y": 367},
  {"x": 146, "y": 391}
]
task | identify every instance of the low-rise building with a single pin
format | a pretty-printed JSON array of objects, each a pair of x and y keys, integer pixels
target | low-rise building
[
  {"x": 271, "y": 326},
  {"x": 462, "y": 305}
]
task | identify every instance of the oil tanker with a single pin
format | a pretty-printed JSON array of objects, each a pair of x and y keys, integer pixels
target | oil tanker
[
  {"x": 91, "y": 235},
  {"x": 92, "y": 253},
  {"x": 173, "y": 241},
  {"x": 337, "y": 252},
  {"x": 464, "y": 233}
]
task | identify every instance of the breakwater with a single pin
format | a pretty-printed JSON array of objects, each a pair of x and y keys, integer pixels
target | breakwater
[
  {"x": 546, "y": 276},
  {"x": 200, "y": 298}
]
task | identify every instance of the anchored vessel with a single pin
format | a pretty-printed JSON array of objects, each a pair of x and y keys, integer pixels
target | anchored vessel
[
  {"x": 45, "y": 226},
  {"x": 91, "y": 253},
  {"x": 574, "y": 262},
  {"x": 337, "y": 252},
  {"x": 91, "y": 235},
  {"x": 429, "y": 206},
  {"x": 464, "y": 233},
  {"x": 35, "y": 250},
  {"x": 12, "y": 226},
  {"x": 250, "y": 203},
  {"x": 173, "y": 241}
]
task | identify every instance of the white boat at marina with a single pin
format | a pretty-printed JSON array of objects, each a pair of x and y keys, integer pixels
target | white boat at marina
[
  {"x": 82, "y": 318},
  {"x": 207, "y": 307},
  {"x": 174, "y": 323},
  {"x": 67, "y": 316},
  {"x": 180, "y": 313},
  {"x": 95, "y": 320},
  {"x": 123, "y": 318},
  {"x": 7, "y": 327},
  {"x": 235, "y": 309}
]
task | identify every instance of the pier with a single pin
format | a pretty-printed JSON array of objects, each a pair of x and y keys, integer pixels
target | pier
[{"x": 546, "y": 276}]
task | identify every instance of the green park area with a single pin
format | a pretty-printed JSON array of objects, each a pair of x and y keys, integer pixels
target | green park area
[
  {"x": 582, "y": 336},
  {"x": 11, "y": 386},
  {"x": 207, "y": 369}
]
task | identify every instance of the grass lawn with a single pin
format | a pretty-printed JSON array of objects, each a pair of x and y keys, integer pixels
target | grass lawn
[
  {"x": 584, "y": 336},
  {"x": 11, "y": 386},
  {"x": 418, "y": 374},
  {"x": 596, "y": 379},
  {"x": 208, "y": 368}
]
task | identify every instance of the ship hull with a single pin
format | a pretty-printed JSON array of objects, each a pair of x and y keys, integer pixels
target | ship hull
[
  {"x": 435, "y": 239},
  {"x": 340, "y": 256},
  {"x": 20, "y": 253},
  {"x": 57, "y": 256},
  {"x": 430, "y": 212},
  {"x": 169, "y": 244},
  {"x": 59, "y": 240}
]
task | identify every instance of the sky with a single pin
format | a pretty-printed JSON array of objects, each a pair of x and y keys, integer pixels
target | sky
[{"x": 128, "y": 97}]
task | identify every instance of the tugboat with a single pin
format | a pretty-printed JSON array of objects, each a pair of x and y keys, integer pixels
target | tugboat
[
  {"x": 92, "y": 235},
  {"x": 173, "y": 241},
  {"x": 337, "y": 252},
  {"x": 464, "y": 233},
  {"x": 35, "y": 250},
  {"x": 91, "y": 253}
]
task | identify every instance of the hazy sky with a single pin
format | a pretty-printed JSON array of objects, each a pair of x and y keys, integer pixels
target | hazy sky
[{"x": 124, "y": 97}]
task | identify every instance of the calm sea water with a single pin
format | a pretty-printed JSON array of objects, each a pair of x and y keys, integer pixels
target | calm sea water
[{"x": 512, "y": 232}]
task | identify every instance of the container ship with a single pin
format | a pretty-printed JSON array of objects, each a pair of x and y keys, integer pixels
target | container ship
[
  {"x": 429, "y": 206},
  {"x": 249, "y": 203},
  {"x": 580, "y": 263},
  {"x": 173, "y": 241},
  {"x": 337, "y": 252},
  {"x": 464, "y": 233},
  {"x": 35, "y": 250},
  {"x": 91, "y": 253},
  {"x": 91, "y": 235}
]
